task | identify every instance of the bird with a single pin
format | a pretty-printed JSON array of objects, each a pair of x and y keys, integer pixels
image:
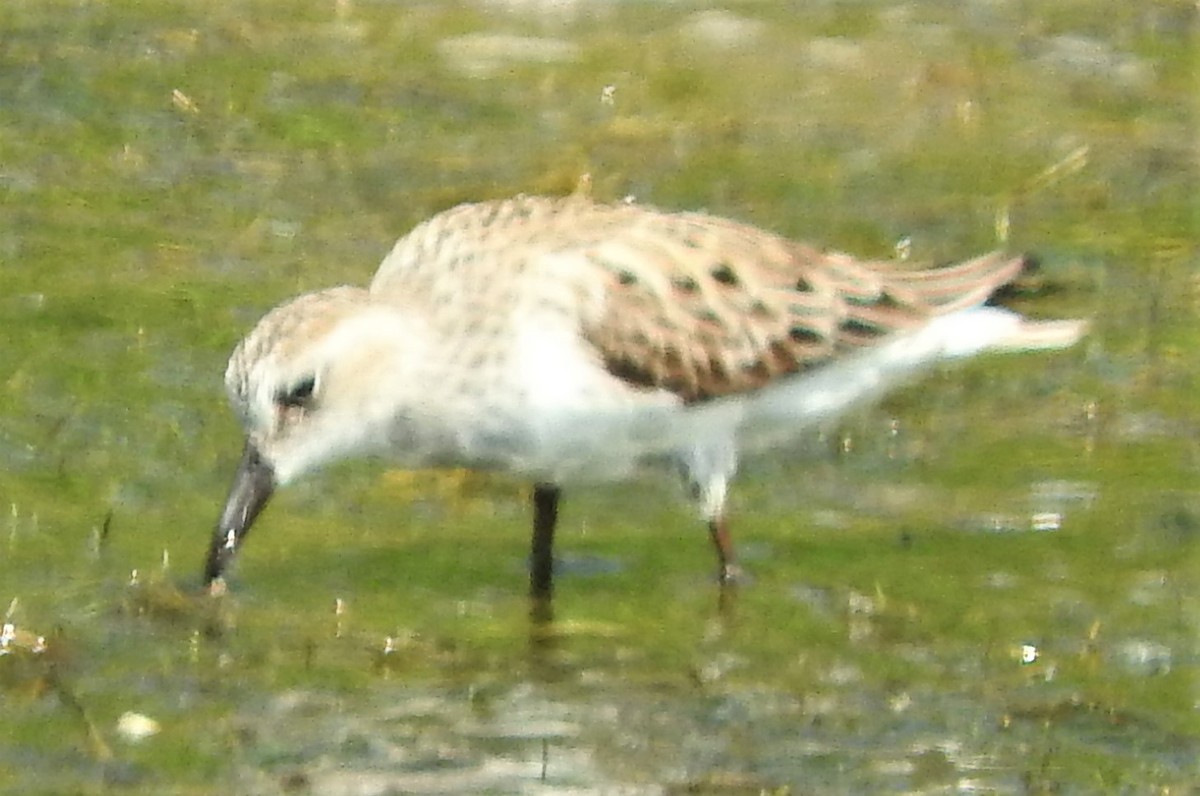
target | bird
[{"x": 564, "y": 340}]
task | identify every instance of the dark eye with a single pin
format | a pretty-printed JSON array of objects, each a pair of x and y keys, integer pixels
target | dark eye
[{"x": 299, "y": 395}]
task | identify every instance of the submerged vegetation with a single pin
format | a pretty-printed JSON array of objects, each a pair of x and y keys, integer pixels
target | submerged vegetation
[{"x": 988, "y": 582}]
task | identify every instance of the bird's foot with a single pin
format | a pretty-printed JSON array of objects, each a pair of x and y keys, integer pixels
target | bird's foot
[{"x": 732, "y": 575}]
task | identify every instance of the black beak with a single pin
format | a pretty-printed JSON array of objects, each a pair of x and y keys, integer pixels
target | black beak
[{"x": 252, "y": 487}]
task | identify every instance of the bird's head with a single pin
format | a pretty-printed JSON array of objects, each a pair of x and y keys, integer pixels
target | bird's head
[{"x": 320, "y": 378}]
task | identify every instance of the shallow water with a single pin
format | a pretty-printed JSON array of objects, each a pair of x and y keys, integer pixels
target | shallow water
[{"x": 987, "y": 583}]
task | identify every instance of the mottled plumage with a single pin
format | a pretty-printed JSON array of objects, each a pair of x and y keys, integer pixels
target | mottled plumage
[{"x": 563, "y": 340}]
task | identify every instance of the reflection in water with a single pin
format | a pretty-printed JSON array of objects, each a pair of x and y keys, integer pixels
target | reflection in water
[
  {"x": 543, "y": 639},
  {"x": 584, "y": 734},
  {"x": 171, "y": 170}
]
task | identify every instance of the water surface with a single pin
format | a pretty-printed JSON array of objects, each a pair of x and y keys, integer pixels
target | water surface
[{"x": 986, "y": 583}]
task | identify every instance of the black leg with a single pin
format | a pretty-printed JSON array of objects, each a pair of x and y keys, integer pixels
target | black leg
[{"x": 541, "y": 559}]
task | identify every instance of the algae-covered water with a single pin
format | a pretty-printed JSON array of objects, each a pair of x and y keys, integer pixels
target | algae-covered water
[{"x": 987, "y": 583}]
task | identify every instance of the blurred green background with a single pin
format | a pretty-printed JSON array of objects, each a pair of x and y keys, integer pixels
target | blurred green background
[{"x": 988, "y": 583}]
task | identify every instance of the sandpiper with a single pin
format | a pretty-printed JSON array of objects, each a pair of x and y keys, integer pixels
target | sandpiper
[{"x": 562, "y": 340}]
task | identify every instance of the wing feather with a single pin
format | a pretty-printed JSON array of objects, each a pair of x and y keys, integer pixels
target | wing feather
[
  {"x": 701, "y": 306},
  {"x": 707, "y": 307}
]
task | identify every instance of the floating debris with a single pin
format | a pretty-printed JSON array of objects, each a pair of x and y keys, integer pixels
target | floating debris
[
  {"x": 136, "y": 727},
  {"x": 183, "y": 102},
  {"x": 1045, "y": 521},
  {"x": 13, "y": 639}
]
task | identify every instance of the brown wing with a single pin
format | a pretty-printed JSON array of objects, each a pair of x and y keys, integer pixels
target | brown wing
[
  {"x": 694, "y": 304},
  {"x": 706, "y": 307}
]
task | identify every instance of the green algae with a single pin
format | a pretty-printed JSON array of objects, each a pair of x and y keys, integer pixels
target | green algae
[{"x": 171, "y": 170}]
